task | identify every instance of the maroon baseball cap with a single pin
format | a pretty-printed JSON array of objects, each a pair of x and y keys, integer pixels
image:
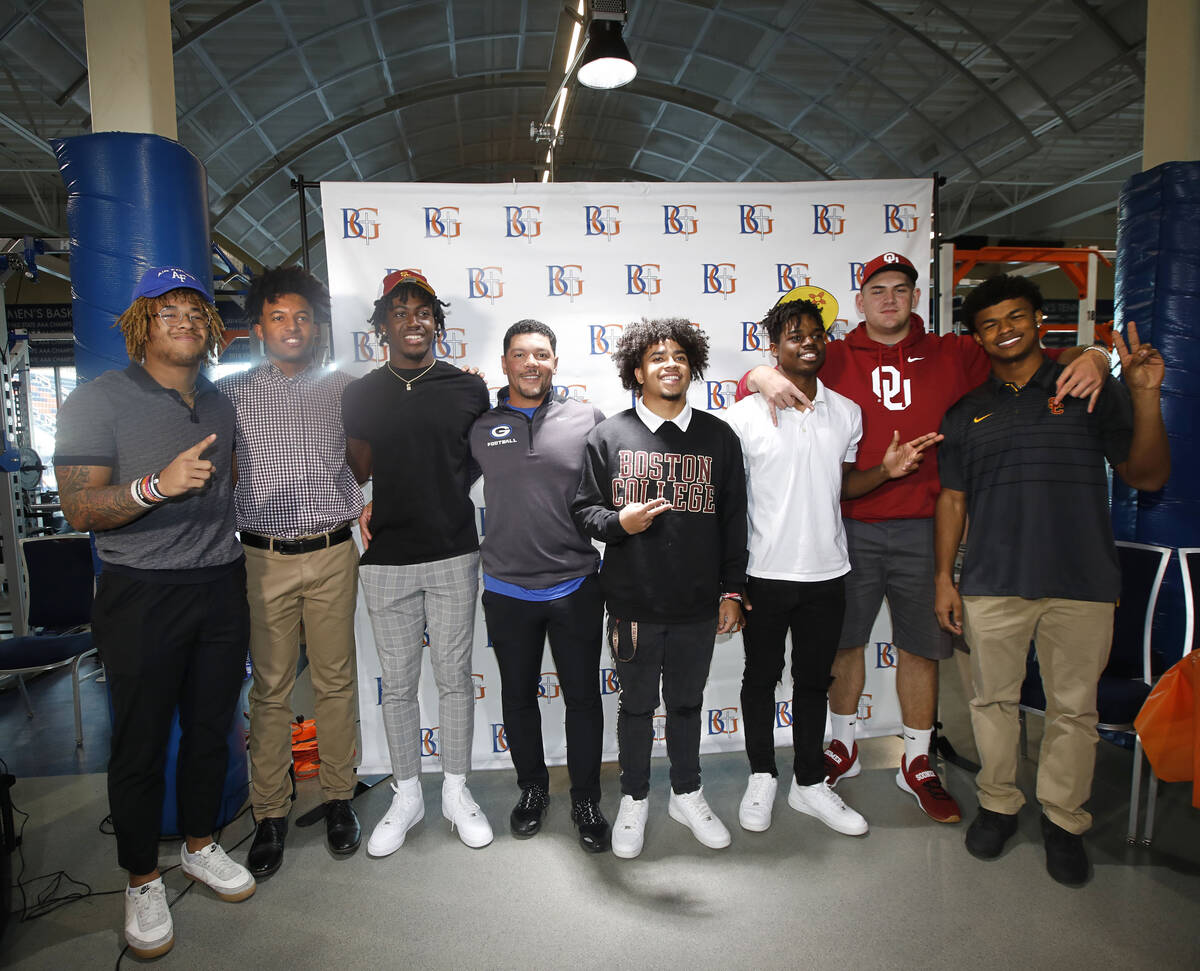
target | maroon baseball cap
[
  {"x": 888, "y": 261},
  {"x": 417, "y": 279}
]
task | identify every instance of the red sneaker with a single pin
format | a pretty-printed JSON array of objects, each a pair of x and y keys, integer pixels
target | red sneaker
[
  {"x": 922, "y": 782},
  {"x": 840, "y": 764}
]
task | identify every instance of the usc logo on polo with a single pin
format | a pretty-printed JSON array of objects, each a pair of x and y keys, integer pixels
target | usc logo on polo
[
  {"x": 441, "y": 222},
  {"x": 523, "y": 222},
  {"x": 755, "y": 220},
  {"x": 720, "y": 278},
  {"x": 362, "y": 223},
  {"x": 788, "y": 276},
  {"x": 451, "y": 345},
  {"x": 601, "y": 221},
  {"x": 722, "y": 721},
  {"x": 680, "y": 220},
  {"x": 566, "y": 280},
  {"x": 643, "y": 279},
  {"x": 604, "y": 338},
  {"x": 899, "y": 217},
  {"x": 829, "y": 219},
  {"x": 485, "y": 283}
]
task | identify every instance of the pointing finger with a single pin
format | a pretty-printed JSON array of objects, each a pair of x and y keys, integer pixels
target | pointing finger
[{"x": 201, "y": 445}]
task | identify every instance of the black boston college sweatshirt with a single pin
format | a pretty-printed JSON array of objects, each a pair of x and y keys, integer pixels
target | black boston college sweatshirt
[{"x": 675, "y": 571}]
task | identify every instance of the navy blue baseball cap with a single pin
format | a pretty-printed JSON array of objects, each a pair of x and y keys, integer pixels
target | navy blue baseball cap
[{"x": 162, "y": 279}]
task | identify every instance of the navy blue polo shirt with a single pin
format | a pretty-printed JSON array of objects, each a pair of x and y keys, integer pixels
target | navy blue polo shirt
[{"x": 1034, "y": 475}]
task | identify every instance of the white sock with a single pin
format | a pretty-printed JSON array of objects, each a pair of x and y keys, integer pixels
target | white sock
[
  {"x": 409, "y": 787},
  {"x": 843, "y": 728},
  {"x": 451, "y": 780},
  {"x": 916, "y": 743}
]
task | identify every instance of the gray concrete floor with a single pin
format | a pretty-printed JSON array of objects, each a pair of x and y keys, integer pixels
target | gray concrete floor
[{"x": 905, "y": 896}]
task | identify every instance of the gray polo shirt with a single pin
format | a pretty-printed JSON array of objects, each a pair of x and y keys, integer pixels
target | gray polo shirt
[{"x": 128, "y": 422}]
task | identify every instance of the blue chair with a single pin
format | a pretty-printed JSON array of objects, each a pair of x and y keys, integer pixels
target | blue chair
[
  {"x": 59, "y": 582},
  {"x": 1127, "y": 678}
]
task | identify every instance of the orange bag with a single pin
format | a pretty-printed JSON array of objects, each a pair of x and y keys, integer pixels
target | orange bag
[
  {"x": 304, "y": 748},
  {"x": 1169, "y": 725}
]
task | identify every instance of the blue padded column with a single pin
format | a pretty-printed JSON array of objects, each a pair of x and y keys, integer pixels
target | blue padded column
[
  {"x": 1158, "y": 287},
  {"x": 133, "y": 201}
]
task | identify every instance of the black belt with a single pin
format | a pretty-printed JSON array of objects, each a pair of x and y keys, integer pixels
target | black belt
[{"x": 290, "y": 546}]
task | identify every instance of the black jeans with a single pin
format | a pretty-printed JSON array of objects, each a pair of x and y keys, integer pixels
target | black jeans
[
  {"x": 168, "y": 645},
  {"x": 518, "y": 630},
  {"x": 813, "y": 613},
  {"x": 679, "y": 656}
]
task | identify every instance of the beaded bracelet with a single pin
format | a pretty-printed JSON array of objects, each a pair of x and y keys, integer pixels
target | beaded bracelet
[{"x": 732, "y": 596}]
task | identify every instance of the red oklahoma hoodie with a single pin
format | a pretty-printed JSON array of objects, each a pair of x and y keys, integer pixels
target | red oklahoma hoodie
[{"x": 907, "y": 387}]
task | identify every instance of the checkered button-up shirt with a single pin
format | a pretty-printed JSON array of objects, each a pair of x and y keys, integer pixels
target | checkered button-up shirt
[{"x": 291, "y": 452}]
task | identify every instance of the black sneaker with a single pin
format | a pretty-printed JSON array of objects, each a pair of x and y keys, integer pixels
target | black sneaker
[
  {"x": 1066, "y": 859},
  {"x": 527, "y": 815},
  {"x": 593, "y": 828},
  {"x": 989, "y": 832}
]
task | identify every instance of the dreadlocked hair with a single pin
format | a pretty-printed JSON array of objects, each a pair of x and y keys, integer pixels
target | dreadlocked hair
[
  {"x": 636, "y": 338},
  {"x": 135, "y": 323},
  {"x": 405, "y": 292},
  {"x": 782, "y": 313}
]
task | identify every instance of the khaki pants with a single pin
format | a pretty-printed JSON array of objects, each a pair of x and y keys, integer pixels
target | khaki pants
[
  {"x": 1073, "y": 638},
  {"x": 319, "y": 588}
]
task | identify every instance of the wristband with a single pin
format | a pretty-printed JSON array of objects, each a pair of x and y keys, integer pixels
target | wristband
[
  {"x": 153, "y": 490},
  {"x": 732, "y": 596},
  {"x": 137, "y": 495}
]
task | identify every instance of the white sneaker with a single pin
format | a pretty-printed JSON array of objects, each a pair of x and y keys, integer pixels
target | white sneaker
[
  {"x": 755, "y": 811},
  {"x": 211, "y": 867},
  {"x": 407, "y": 809},
  {"x": 821, "y": 801},
  {"x": 693, "y": 811},
  {"x": 464, "y": 812},
  {"x": 629, "y": 829},
  {"x": 148, "y": 928}
]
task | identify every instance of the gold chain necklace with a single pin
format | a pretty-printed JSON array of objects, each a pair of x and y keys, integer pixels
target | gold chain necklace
[{"x": 408, "y": 383}]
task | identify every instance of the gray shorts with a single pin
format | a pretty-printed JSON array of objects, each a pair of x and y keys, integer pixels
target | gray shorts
[{"x": 895, "y": 560}]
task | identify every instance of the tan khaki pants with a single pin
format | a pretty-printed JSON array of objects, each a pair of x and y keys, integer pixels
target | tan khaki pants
[
  {"x": 319, "y": 588},
  {"x": 1072, "y": 638}
]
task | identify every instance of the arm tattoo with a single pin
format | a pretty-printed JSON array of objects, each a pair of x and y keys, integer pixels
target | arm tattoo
[{"x": 94, "y": 506}]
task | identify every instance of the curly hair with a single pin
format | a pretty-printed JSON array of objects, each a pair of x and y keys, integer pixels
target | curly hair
[
  {"x": 405, "y": 292},
  {"x": 135, "y": 323},
  {"x": 637, "y": 338},
  {"x": 280, "y": 280},
  {"x": 781, "y": 314},
  {"x": 997, "y": 289}
]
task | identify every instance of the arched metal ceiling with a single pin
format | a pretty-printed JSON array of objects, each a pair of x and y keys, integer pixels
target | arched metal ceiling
[{"x": 1032, "y": 109}]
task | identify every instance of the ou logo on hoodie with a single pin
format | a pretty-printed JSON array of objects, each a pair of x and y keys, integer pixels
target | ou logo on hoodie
[{"x": 890, "y": 388}]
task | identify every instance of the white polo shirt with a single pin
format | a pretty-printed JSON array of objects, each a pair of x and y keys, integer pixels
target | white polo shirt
[{"x": 794, "y": 484}]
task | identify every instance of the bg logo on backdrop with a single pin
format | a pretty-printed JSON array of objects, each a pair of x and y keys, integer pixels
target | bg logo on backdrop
[
  {"x": 722, "y": 721},
  {"x": 523, "y": 222},
  {"x": 899, "y": 217},
  {"x": 719, "y": 395},
  {"x": 659, "y": 726},
  {"x": 480, "y": 690},
  {"x": 755, "y": 220},
  {"x": 719, "y": 278},
  {"x": 755, "y": 337},
  {"x": 576, "y": 391},
  {"x": 450, "y": 346},
  {"x": 788, "y": 276},
  {"x": 680, "y": 220},
  {"x": 604, "y": 338},
  {"x": 485, "y": 283},
  {"x": 499, "y": 738},
  {"x": 362, "y": 223},
  {"x": 602, "y": 221},
  {"x": 829, "y": 219},
  {"x": 566, "y": 280},
  {"x": 548, "y": 686},
  {"x": 367, "y": 346},
  {"x": 885, "y": 655},
  {"x": 783, "y": 714},
  {"x": 610, "y": 684},
  {"x": 441, "y": 222},
  {"x": 431, "y": 742},
  {"x": 643, "y": 279},
  {"x": 864, "y": 708}
]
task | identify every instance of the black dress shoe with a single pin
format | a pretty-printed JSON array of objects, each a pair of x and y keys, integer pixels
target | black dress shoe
[
  {"x": 592, "y": 826},
  {"x": 341, "y": 827},
  {"x": 527, "y": 815},
  {"x": 987, "y": 835},
  {"x": 266, "y": 852},
  {"x": 1066, "y": 859}
]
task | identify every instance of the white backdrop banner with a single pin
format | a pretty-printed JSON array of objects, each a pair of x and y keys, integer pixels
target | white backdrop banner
[{"x": 586, "y": 259}]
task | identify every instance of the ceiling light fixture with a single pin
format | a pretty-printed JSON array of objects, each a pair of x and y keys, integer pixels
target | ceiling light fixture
[{"x": 607, "y": 62}]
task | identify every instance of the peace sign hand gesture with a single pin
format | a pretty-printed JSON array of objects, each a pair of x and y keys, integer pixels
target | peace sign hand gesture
[{"x": 1141, "y": 364}]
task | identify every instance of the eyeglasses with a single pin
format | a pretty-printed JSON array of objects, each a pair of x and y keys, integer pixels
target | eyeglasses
[{"x": 173, "y": 317}]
